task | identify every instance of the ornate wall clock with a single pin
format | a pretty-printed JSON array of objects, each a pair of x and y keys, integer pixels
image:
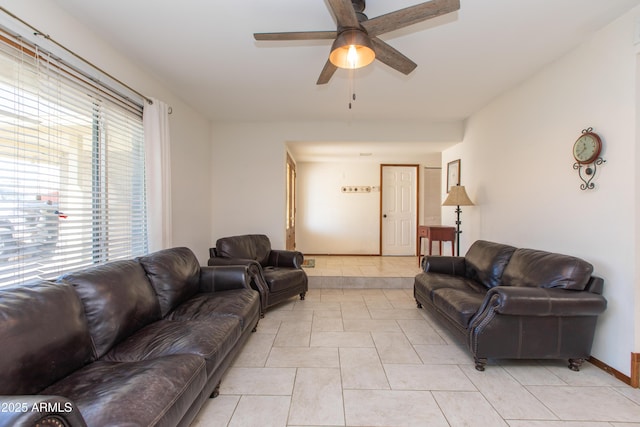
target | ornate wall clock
[{"x": 586, "y": 151}]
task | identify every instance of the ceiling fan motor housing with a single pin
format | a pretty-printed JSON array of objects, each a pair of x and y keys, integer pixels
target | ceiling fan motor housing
[{"x": 358, "y": 5}]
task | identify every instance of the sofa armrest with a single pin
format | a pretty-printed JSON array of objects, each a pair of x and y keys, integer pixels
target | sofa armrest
[
  {"x": 224, "y": 277},
  {"x": 45, "y": 411},
  {"x": 453, "y": 265},
  {"x": 509, "y": 300},
  {"x": 283, "y": 258},
  {"x": 254, "y": 268}
]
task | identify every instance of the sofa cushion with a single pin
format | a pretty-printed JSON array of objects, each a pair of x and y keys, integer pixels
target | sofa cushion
[
  {"x": 534, "y": 268},
  {"x": 242, "y": 304},
  {"x": 284, "y": 278},
  {"x": 155, "y": 392},
  {"x": 485, "y": 262},
  {"x": 174, "y": 274},
  {"x": 118, "y": 300},
  {"x": 459, "y": 305},
  {"x": 211, "y": 339},
  {"x": 44, "y": 336},
  {"x": 427, "y": 283},
  {"x": 250, "y": 246}
]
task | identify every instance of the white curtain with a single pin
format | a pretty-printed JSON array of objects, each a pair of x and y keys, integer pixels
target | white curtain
[{"x": 158, "y": 173}]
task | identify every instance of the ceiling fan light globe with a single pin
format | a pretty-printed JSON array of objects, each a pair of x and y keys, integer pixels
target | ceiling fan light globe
[{"x": 352, "y": 49}]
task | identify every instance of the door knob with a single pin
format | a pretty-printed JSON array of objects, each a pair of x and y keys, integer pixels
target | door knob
[{"x": 384, "y": 216}]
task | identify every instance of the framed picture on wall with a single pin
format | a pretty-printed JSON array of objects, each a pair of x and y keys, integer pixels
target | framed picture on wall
[{"x": 453, "y": 174}]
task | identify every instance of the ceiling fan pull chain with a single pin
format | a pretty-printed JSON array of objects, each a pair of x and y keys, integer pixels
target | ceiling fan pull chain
[{"x": 352, "y": 87}]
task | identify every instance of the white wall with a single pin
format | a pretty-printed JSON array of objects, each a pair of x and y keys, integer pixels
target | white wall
[
  {"x": 248, "y": 167},
  {"x": 332, "y": 222},
  {"x": 249, "y": 182},
  {"x": 517, "y": 166},
  {"x": 191, "y": 183}
]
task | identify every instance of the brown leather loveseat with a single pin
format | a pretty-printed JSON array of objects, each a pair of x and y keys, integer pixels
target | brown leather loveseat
[
  {"x": 275, "y": 273},
  {"x": 139, "y": 342},
  {"x": 508, "y": 303}
]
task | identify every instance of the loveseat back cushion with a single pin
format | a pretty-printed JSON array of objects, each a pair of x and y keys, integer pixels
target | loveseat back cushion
[
  {"x": 44, "y": 336},
  {"x": 174, "y": 274},
  {"x": 485, "y": 262},
  {"x": 250, "y": 246},
  {"x": 118, "y": 300},
  {"x": 534, "y": 268}
]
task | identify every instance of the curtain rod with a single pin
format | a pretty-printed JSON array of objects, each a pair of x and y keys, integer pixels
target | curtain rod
[{"x": 86, "y": 61}]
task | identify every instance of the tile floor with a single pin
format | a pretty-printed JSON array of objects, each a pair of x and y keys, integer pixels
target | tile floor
[
  {"x": 363, "y": 266},
  {"x": 369, "y": 357}
]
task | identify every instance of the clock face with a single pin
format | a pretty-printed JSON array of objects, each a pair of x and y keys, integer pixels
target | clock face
[{"x": 587, "y": 148}]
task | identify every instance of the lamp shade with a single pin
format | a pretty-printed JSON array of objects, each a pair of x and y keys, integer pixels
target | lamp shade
[
  {"x": 457, "y": 197},
  {"x": 352, "y": 49}
]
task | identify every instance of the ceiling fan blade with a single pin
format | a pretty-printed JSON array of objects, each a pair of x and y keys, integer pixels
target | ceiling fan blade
[
  {"x": 409, "y": 16},
  {"x": 392, "y": 57},
  {"x": 300, "y": 35},
  {"x": 345, "y": 13},
  {"x": 327, "y": 73}
]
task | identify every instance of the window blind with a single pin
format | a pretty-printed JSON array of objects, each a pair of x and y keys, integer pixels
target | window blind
[{"x": 72, "y": 190}]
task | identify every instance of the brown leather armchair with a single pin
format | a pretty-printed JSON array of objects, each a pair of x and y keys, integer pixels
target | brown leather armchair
[{"x": 276, "y": 274}]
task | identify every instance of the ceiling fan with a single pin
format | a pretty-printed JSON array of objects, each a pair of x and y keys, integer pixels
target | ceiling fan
[{"x": 356, "y": 42}]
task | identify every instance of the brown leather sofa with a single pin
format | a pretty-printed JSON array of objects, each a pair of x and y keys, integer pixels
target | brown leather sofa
[
  {"x": 508, "y": 303},
  {"x": 139, "y": 342},
  {"x": 276, "y": 274}
]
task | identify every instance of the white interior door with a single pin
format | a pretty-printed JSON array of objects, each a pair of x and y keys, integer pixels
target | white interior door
[{"x": 399, "y": 210}]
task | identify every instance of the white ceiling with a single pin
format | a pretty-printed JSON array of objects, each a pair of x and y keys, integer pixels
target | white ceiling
[{"x": 205, "y": 51}]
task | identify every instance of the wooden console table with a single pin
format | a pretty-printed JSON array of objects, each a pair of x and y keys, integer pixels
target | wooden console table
[{"x": 438, "y": 233}]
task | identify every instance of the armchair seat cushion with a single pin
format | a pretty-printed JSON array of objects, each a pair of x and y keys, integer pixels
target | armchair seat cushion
[
  {"x": 161, "y": 389},
  {"x": 281, "y": 279}
]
